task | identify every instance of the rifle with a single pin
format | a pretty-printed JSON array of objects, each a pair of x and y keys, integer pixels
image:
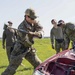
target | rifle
[
  {"x": 7, "y": 27},
  {"x": 24, "y": 31}
]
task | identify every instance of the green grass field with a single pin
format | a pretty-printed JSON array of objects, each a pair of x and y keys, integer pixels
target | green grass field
[{"x": 44, "y": 51}]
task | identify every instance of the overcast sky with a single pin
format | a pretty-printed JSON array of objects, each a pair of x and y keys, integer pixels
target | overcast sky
[{"x": 47, "y": 10}]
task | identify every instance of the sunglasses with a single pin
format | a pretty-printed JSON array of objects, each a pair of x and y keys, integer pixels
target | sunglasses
[{"x": 31, "y": 18}]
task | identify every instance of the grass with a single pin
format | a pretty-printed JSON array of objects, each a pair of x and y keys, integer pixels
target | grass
[{"x": 44, "y": 51}]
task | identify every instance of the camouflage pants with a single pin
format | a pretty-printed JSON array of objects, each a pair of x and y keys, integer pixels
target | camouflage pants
[
  {"x": 16, "y": 59},
  {"x": 8, "y": 51},
  {"x": 73, "y": 44},
  {"x": 59, "y": 46},
  {"x": 67, "y": 42}
]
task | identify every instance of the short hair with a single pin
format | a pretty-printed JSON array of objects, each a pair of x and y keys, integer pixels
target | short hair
[{"x": 52, "y": 21}]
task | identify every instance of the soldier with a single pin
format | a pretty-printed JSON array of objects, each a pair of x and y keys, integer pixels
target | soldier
[
  {"x": 9, "y": 37},
  {"x": 69, "y": 30},
  {"x": 27, "y": 30},
  {"x": 56, "y": 35},
  {"x": 66, "y": 38}
]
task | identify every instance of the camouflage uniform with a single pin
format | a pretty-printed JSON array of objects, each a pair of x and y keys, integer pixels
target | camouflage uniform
[
  {"x": 57, "y": 35},
  {"x": 66, "y": 38},
  {"x": 23, "y": 47},
  {"x": 69, "y": 31},
  {"x": 67, "y": 41},
  {"x": 10, "y": 37}
]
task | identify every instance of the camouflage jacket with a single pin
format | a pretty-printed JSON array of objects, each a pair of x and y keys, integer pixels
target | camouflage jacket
[
  {"x": 9, "y": 36},
  {"x": 23, "y": 36},
  {"x": 69, "y": 31}
]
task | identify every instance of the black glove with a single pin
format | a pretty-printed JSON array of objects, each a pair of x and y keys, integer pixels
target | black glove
[{"x": 52, "y": 46}]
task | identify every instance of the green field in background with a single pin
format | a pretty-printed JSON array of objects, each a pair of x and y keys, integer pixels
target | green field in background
[{"x": 44, "y": 51}]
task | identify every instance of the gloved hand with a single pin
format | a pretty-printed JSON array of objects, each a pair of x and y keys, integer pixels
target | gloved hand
[
  {"x": 52, "y": 46},
  {"x": 36, "y": 34},
  {"x": 31, "y": 33},
  {"x": 3, "y": 46}
]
